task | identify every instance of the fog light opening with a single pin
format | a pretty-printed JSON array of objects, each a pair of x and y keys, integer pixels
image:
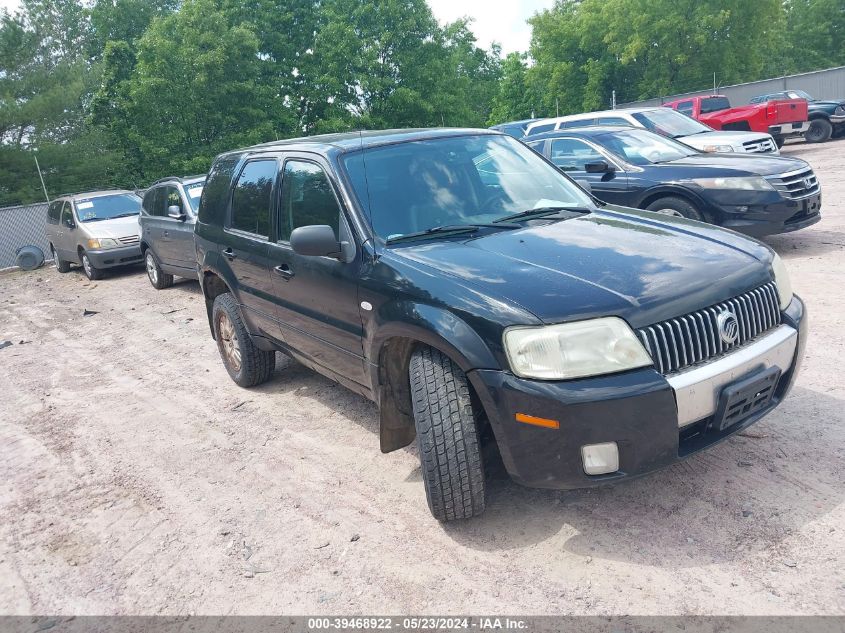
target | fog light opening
[{"x": 600, "y": 459}]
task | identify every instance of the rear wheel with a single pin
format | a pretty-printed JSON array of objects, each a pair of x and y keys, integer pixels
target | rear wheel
[
  {"x": 158, "y": 278},
  {"x": 819, "y": 131},
  {"x": 90, "y": 271},
  {"x": 678, "y": 207},
  {"x": 61, "y": 265},
  {"x": 247, "y": 365},
  {"x": 453, "y": 471}
]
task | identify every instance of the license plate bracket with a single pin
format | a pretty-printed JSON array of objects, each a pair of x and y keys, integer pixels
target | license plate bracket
[{"x": 745, "y": 397}]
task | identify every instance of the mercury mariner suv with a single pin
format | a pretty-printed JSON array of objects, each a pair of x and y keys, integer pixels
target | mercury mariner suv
[{"x": 476, "y": 293}]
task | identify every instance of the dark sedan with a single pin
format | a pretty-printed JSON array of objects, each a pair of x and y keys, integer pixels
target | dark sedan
[{"x": 756, "y": 195}]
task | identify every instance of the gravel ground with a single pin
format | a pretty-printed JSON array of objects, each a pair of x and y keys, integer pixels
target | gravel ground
[{"x": 138, "y": 479}]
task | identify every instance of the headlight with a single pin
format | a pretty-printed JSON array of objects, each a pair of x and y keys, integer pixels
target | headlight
[
  {"x": 751, "y": 183},
  {"x": 718, "y": 148},
  {"x": 782, "y": 282},
  {"x": 103, "y": 242},
  {"x": 574, "y": 350}
]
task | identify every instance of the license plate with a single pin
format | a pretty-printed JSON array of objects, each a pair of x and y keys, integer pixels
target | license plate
[{"x": 745, "y": 397}]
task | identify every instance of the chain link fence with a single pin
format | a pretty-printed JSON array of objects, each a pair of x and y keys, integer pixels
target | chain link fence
[{"x": 22, "y": 226}]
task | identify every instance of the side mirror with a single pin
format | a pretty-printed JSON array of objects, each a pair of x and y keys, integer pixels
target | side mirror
[
  {"x": 173, "y": 211},
  {"x": 585, "y": 185},
  {"x": 598, "y": 167},
  {"x": 317, "y": 240}
]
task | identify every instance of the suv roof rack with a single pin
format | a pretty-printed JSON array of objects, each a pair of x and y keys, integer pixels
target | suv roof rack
[
  {"x": 178, "y": 179},
  {"x": 79, "y": 193}
]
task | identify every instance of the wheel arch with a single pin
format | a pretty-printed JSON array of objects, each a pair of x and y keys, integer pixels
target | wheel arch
[
  {"x": 390, "y": 356},
  {"x": 212, "y": 286},
  {"x": 653, "y": 195}
]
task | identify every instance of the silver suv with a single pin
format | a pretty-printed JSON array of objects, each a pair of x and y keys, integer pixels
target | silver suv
[{"x": 97, "y": 229}]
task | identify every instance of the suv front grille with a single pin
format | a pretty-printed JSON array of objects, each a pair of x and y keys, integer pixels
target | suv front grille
[
  {"x": 761, "y": 146},
  {"x": 796, "y": 184},
  {"x": 129, "y": 240},
  {"x": 694, "y": 338}
]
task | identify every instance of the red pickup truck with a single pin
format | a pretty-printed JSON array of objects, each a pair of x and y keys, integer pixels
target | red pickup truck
[{"x": 780, "y": 118}]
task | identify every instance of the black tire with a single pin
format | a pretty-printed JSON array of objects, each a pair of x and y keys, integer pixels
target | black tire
[
  {"x": 453, "y": 471},
  {"x": 255, "y": 365},
  {"x": 820, "y": 130},
  {"x": 158, "y": 278},
  {"x": 61, "y": 265},
  {"x": 672, "y": 205},
  {"x": 779, "y": 141},
  {"x": 88, "y": 268}
]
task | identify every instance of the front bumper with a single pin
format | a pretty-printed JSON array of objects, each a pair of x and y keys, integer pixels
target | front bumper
[
  {"x": 110, "y": 257},
  {"x": 655, "y": 421},
  {"x": 782, "y": 216}
]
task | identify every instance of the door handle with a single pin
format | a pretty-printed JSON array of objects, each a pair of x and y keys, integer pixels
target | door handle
[
  {"x": 230, "y": 254},
  {"x": 285, "y": 271},
  {"x": 166, "y": 234}
]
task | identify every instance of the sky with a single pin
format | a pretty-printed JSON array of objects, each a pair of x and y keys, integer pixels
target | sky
[{"x": 501, "y": 21}]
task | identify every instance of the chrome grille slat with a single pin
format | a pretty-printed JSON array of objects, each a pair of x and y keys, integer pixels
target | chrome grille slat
[
  {"x": 797, "y": 184},
  {"x": 694, "y": 338}
]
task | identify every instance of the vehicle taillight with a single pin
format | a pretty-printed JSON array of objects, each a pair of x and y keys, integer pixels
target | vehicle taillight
[{"x": 772, "y": 110}]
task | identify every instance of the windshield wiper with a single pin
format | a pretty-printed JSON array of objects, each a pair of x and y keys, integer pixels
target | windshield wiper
[
  {"x": 540, "y": 212},
  {"x": 448, "y": 228},
  {"x": 123, "y": 215}
]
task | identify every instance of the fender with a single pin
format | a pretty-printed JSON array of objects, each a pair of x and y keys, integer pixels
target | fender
[
  {"x": 671, "y": 190},
  {"x": 398, "y": 327},
  {"x": 210, "y": 264}
]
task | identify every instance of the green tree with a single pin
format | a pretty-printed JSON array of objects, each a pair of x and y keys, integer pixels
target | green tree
[
  {"x": 513, "y": 100},
  {"x": 816, "y": 35}
]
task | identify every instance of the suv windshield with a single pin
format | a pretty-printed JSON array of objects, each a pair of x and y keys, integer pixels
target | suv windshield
[
  {"x": 645, "y": 148},
  {"x": 194, "y": 192},
  {"x": 670, "y": 123},
  {"x": 456, "y": 181},
  {"x": 107, "y": 207}
]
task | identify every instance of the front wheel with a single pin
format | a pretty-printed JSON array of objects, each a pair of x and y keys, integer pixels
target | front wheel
[
  {"x": 819, "y": 131},
  {"x": 677, "y": 207},
  {"x": 247, "y": 365},
  {"x": 450, "y": 452},
  {"x": 158, "y": 278},
  {"x": 90, "y": 271}
]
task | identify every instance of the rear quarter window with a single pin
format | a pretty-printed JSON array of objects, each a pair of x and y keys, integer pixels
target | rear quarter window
[
  {"x": 215, "y": 195},
  {"x": 546, "y": 127}
]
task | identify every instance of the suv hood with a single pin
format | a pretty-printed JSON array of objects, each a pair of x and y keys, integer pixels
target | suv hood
[
  {"x": 119, "y": 227},
  {"x": 623, "y": 262},
  {"x": 759, "y": 164}
]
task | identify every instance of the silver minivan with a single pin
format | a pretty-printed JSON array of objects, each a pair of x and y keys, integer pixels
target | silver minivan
[{"x": 97, "y": 230}]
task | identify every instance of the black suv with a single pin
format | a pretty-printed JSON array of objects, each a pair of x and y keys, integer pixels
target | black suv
[
  {"x": 167, "y": 221},
  {"x": 475, "y": 292}
]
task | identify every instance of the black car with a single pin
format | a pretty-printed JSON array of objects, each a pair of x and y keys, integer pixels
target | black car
[
  {"x": 827, "y": 117},
  {"x": 167, "y": 221},
  {"x": 754, "y": 194},
  {"x": 477, "y": 294}
]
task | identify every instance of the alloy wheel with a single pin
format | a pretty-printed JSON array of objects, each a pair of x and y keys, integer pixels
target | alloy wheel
[
  {"x": 86, "y": 265},
  {"x": 152, "y": 271},
  {"x": 229, "y": 342}
]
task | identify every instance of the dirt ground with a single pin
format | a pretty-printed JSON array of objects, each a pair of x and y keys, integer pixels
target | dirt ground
[{"x": 137, "y": 478}]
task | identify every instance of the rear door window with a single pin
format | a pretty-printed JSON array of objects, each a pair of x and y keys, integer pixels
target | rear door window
[
  {"x": 307, "y": 198},
  {"x": 251, "y": 197},
  {"x": 546, "y": 127},
  {"x": 578, "y": 123},
  {"x": 54, "y": 211}
]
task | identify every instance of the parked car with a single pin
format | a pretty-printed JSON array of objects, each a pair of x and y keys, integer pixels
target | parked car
[
  {"x": 781, "y": 118},
  {"x": 476, "y": 293},
  {"x": 167, "y": 221},
  {"x": 827, "y": 117},
  {"x": 756, "y": 195},
  {"x": 97, "y": 229},
  {"x": 515, "y": 129},
  {"x": 668, "y": 123}
]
